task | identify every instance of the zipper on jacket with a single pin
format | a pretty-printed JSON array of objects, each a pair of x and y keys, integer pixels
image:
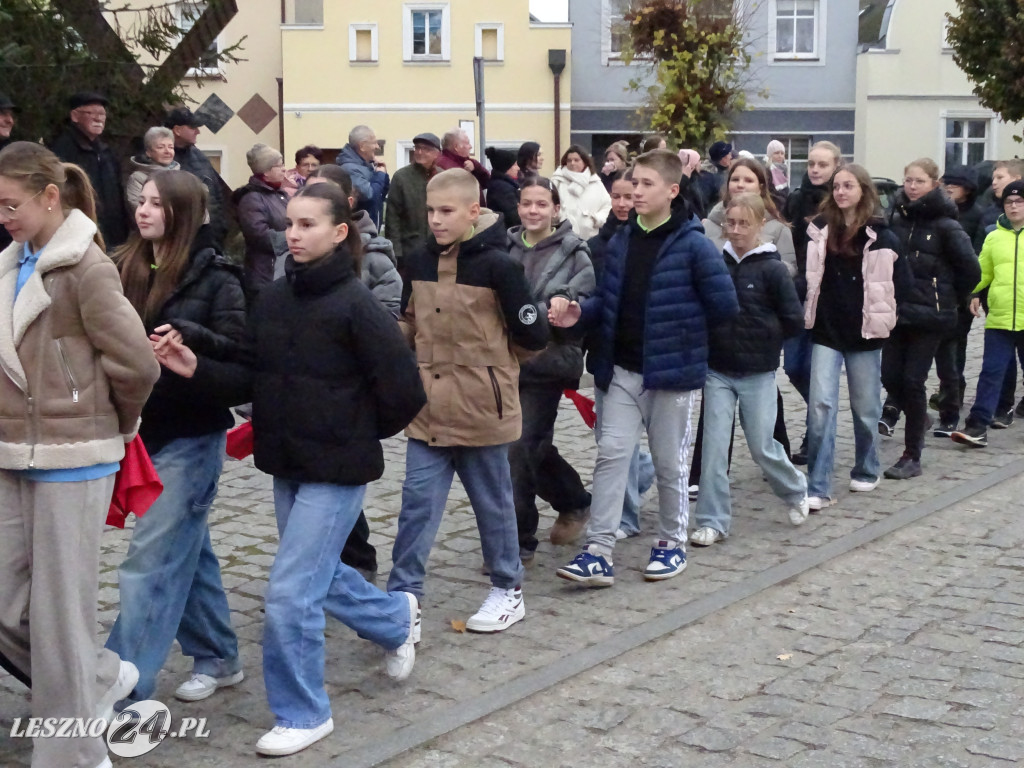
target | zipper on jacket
[
  {"x": 497, "y": 391},
  {"x": 32, "y": 434},
  {"x": 935, "y": 287},
  {"x": 1016, "y": 246},
  {"x": 68, "y": 376}
]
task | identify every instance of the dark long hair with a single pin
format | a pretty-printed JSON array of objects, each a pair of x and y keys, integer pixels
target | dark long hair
[
  {"x": 341, "y": 213},
  {"x": 840, "y": 236},
  {"x": 762, "y": 179},
  {"x": 576, "y": 149},
  {"x": 183, "y": 199}
]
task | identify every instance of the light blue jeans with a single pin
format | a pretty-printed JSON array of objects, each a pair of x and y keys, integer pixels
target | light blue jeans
[
  {"x": 484, "y": 472},
  {"x": 170, "y": 581},
  {"x": 307, "y": 579},
  {"x": 757, "y": 399},
  {"x": 864, "y": 382}
]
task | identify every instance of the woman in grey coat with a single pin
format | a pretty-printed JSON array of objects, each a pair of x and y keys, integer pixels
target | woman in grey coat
[{"x": 557, "y": 263}]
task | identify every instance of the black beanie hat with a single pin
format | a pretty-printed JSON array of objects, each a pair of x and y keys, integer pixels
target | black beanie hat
[
  {"x": 1013, "y": 188},
  {"x": 501, "y": 159},
  {"x": 962, "y": 176}
]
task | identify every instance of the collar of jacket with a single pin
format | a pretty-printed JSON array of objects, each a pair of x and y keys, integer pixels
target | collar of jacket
[
  {"x": 65, "y": 249},
  {"x": 758, "y": 252},
  {"x": 488, "y": 234},
  {"x": 610, "y": 227},
  {"x": 83, "y": 141},
  {"x": 932, "y": 205},
  {"x": 1004, "y": 223},
  {"x": 321, "y": 276}
]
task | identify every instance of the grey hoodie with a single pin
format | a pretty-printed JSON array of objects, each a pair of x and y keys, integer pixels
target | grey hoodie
[
  {"x": 379, "y": 272},
  {"x": 558, "y": 265},
  {"x": 774, "y": 232}
]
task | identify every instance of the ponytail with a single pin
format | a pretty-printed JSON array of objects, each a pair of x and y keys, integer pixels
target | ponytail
[{"x": 78, "y": 193}]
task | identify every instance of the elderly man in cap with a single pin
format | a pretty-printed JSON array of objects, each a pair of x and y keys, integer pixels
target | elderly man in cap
[
  {"x": 185, "y": 127},
  {"x": 406, "y": 221},
  {"x": 369, "y": 175},
  {"x": 456, "y": 149},
  {"x": 80, "y": 144}
]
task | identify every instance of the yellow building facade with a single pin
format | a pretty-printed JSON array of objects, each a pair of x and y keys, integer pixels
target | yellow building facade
[{"x": 404, "y": 68}]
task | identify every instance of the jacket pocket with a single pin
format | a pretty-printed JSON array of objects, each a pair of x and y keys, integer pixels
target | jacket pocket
[
  {"x": 69, "y": 377},
  {"x": 497, "y": 391}
]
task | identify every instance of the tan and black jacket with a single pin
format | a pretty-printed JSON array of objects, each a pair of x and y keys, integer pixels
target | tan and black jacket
[
  {"x": 468, "y": 312},
  {"x": 76, "y": 366}
]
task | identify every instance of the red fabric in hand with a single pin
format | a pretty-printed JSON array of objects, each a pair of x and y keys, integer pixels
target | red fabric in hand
[
  {"x": 136, "y": 485},
  {"x": 584, "y": 405},
  {"x": 240, "y": 441}
]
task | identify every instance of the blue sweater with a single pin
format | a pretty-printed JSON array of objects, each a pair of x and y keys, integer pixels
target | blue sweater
[{"x": 690, "y": 288}]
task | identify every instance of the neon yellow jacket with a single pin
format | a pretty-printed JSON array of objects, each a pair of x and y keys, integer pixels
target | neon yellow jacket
[{"x": 1002, "y": 272}]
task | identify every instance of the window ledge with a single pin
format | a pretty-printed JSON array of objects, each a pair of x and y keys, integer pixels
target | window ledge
[
  {"x": 427, "y": 63},
  {"x": 307, "y": 27},
  {"x": 783, "y": 59},
  {"x": 199, "y": 73},
  {"x": 364, "y": 63}
]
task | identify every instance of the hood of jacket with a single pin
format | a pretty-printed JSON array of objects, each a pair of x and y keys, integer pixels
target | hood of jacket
[
  {"x": 936, "y": 204},
  {"x": 364, "y": 224},
  {"x": 1004, "y": 223},
  {"x": 146, "y": 164},
  {"x": 564, "y": 229},
  {"x": 762, "y": 252},
  {"x": 256, "y": 184}
]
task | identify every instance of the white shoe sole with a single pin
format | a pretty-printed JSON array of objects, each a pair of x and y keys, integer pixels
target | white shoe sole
[
  {"x": 481, "y": 628},
  {"x": 862, "y": 486},
  {"x": 222, "y": 682},
  {"x": 315, "y": 734}
]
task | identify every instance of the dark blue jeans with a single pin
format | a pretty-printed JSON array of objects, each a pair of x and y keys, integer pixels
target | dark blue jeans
[
  {"x": 796, "y": 362},
  {"x": 1000, "y": 346}
]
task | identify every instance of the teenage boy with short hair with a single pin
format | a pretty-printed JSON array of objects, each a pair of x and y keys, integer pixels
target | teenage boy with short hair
[
  {"x": 663, "y": 283},
  {"x": 1001, "y": 260},
  {"x": 467, "y": 311}
]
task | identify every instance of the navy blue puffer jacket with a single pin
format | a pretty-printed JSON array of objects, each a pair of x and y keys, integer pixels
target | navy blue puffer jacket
[{"x": 690, "y": 288}]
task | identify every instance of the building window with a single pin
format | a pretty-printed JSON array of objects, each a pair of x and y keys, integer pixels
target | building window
[
  {"x": 427, "y": 33},
  {"x": 189, "y": 12},
  {"x": 362, "y": 43},
  {"x": 797, "y": 148},
  {"x": 966, "y": 140},
  {"x": 304, "y": 13},
  {"x": 616, "y": 28},
  {"x": 796, "y": 29},
  {"x": 490, "y": 41}
]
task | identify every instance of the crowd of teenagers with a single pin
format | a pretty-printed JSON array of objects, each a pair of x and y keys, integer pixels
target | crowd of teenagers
[{"x": 486, "y": 297}]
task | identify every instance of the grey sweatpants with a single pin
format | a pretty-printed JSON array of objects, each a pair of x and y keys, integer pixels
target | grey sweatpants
[
  {"x": 622, "y": 413},
  {"x": 49, "y": 582}
]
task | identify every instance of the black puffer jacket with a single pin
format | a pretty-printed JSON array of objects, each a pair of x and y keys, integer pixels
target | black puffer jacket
[
  {"x": 104, "y": 171},
  {"x": 770, "y": 311},
  {"x": 940, "y": 256},
  {"x": 193, "y": 160},
  {"x": 503, "y": 198},
  {"x": 328, "y": 372},
  {"x": 972, "y": 217},
  {"x": 802, "y": 206},
  {"x": 208, "y": 308}
]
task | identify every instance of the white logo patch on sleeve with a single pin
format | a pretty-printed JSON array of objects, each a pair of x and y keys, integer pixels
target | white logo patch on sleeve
[{"x": 528, "y": 314}]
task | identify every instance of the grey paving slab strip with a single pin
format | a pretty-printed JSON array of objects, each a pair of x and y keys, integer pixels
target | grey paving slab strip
[{"x": 445, "y": 720}]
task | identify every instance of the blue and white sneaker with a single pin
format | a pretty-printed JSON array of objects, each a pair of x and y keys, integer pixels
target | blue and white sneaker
[
  {"x": 666, "y": 562},
  {"x": 588, "y": 569}
]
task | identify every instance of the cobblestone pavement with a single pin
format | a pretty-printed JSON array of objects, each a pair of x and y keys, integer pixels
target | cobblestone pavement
[{"x": 901, "y": 648}]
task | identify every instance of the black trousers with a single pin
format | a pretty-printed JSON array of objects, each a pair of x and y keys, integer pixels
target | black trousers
[
  {"x": 538, "y": 469},
  {"x": 906, "y": 359},
  {"x": 358, "y": 551},
  {"x": 950, "y": 359},
  {"x": 780, "y": 434}
]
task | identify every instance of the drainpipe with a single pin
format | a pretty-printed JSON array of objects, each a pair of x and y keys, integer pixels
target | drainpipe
[{"x": 556, "y": 63}]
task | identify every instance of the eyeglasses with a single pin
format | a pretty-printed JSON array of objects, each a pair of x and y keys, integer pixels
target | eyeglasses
[
  {"x": 10, "y": 212},
  {"x": 97, "y": 114},
  {"x": 737, "y": 226},
  {"x": 1014, "y": 202}
]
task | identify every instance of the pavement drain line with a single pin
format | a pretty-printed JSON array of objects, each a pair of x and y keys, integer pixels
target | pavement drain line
[{"x": 417, "y": 734}]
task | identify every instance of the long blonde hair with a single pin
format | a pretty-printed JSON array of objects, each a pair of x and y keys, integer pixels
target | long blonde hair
[{"x": 35, "y": 168}]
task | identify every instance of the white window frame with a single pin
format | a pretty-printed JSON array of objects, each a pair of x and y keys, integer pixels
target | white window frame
[
  {"x": 353, "y": 36},
  {"x": 180, "y": 13},
  {"x": 446, "y": 33},
  {"x": 820, "y": 25},
  {"x": 967, "y": 115},
  {"x": 478, "y": 40},
  {"x": 608, "y": 56}
]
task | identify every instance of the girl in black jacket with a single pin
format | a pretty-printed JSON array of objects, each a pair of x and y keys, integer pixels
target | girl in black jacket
[
  {"x": 743, "y": 355},
  {"x": 503, "y": 189},
  {"x": 170, "y": 580},
  {"x": 945, "y": 271},
  {"x": 329, "y": 375}
]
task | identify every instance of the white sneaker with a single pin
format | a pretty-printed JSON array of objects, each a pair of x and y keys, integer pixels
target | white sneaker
[
  {"x": 399, "y": 662},
  {"x": 693, "y": 491},
  {"x": 798, "y": 512},
  {"x": 705, "y": 536},
  {"x": 863, "y": 486},
  {"x": 288, "y": 741},
  {"x": 127, "y": 677},
  {"x": 501, "y": 609},
  {"x": 817, "y": 503},
  {"x": 200, "y": 686}
]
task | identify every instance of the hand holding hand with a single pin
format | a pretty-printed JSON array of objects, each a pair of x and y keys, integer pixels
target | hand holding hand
[{"x": 563, "y": 313}]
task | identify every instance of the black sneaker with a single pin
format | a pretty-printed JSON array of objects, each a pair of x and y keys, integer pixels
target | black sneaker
[
  {"x": 1019, "y": 410},
  {"x": 973, "y": 435},
  {"x": 1002, "y": 421},
  {"x": 933, "y": 401},
  {"x": 946, "y": 428},
  {"x": 887, "y": 424},
  {"x": 904, "y": 469},
  {"x": 799, "y": 457}
]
